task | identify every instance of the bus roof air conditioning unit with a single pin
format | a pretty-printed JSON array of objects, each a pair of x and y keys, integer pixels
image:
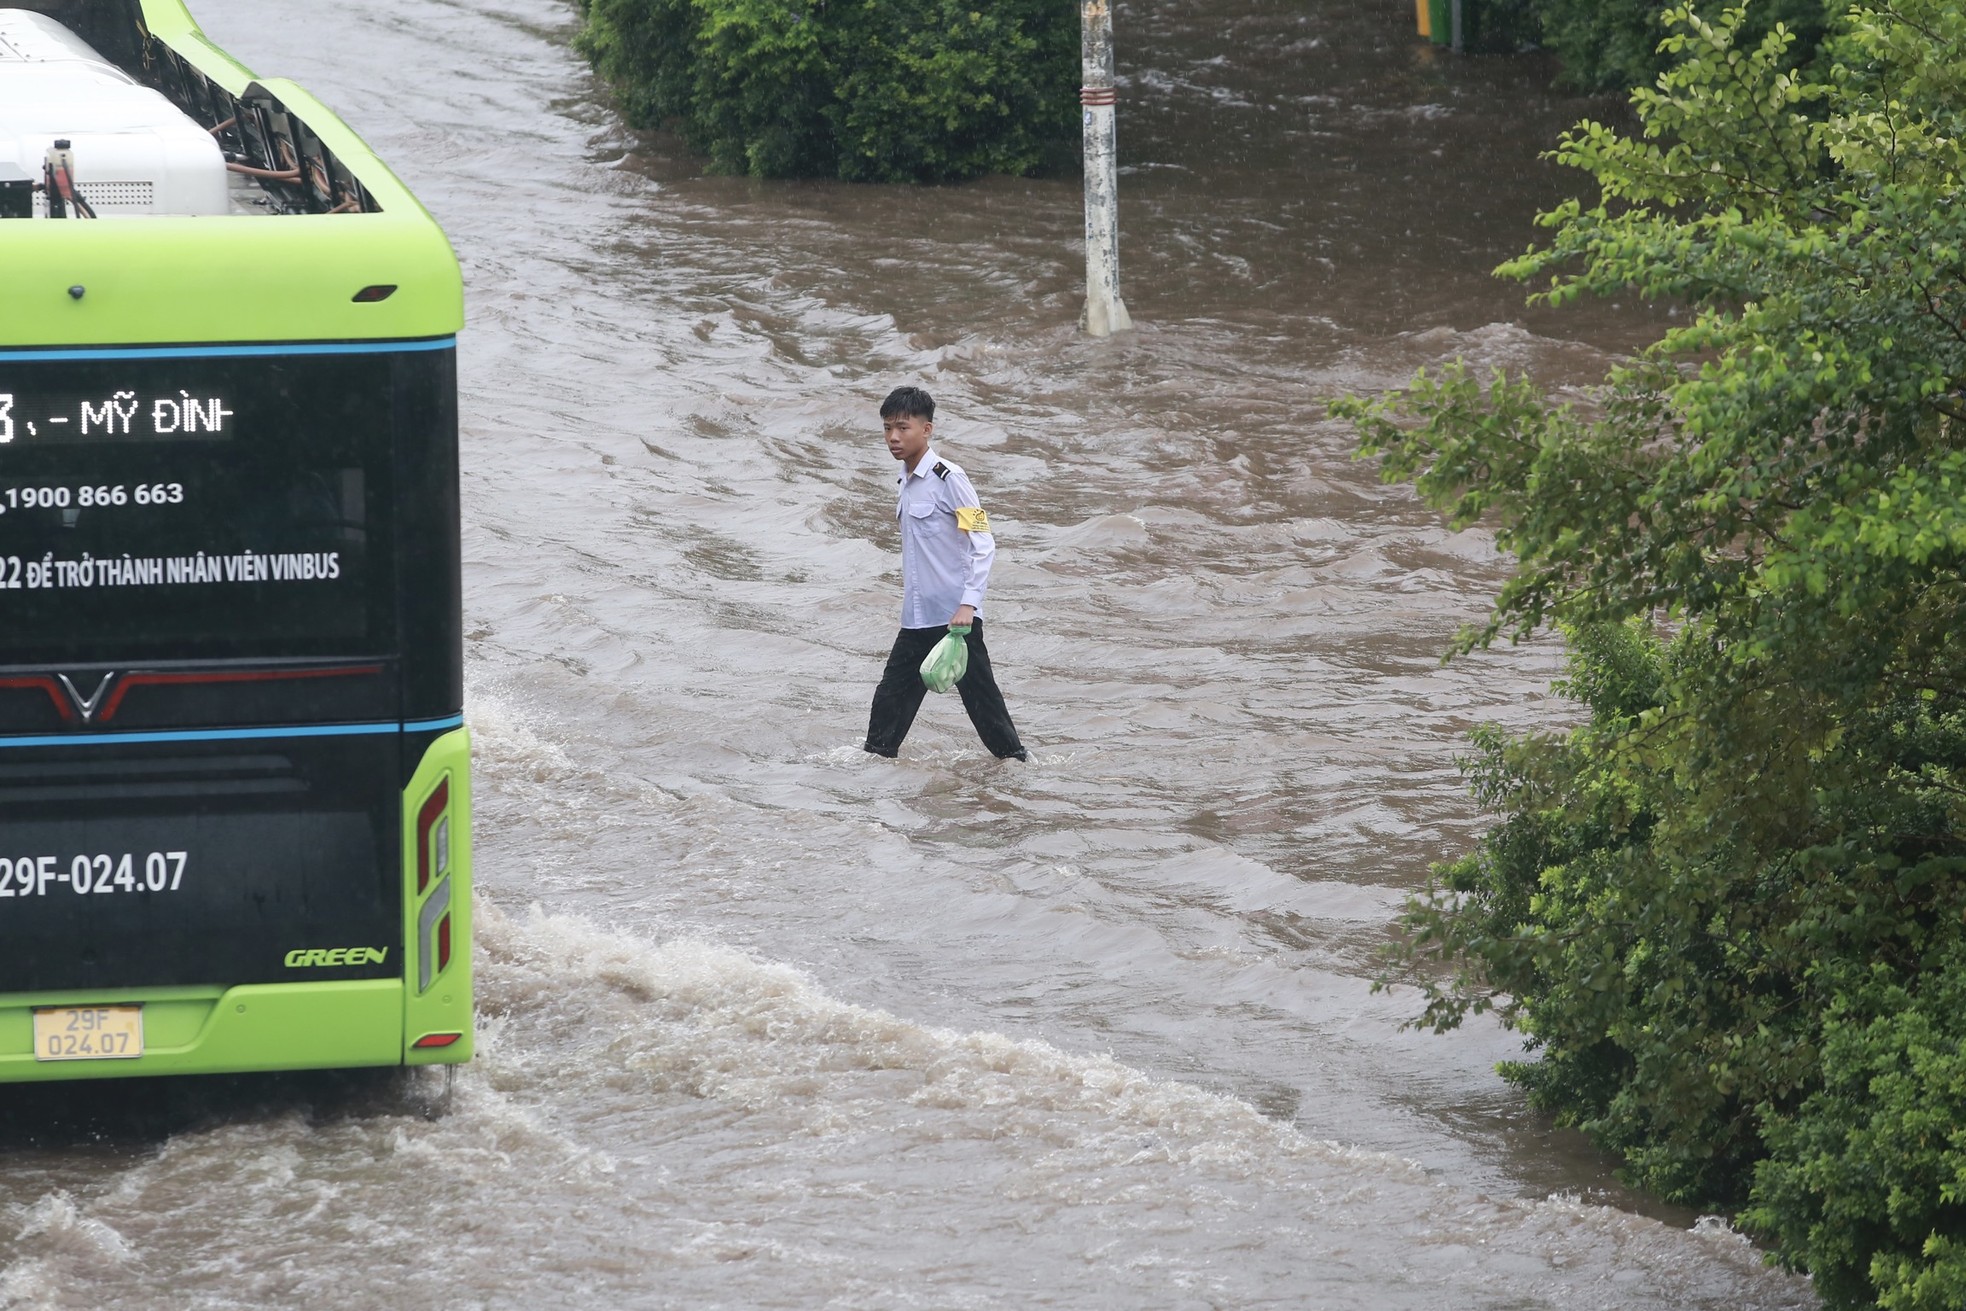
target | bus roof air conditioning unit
[{"x": 135, "y": 152}]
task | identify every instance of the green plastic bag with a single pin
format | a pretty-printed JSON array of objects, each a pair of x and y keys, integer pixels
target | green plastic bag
[{"x": 948, "y": 662}]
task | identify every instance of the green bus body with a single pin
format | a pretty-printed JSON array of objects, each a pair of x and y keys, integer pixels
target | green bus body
[{"x": 302, "y": 974}]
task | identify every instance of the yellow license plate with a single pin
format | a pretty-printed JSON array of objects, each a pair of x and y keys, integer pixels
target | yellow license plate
[{"x": 88, "y": 1033}]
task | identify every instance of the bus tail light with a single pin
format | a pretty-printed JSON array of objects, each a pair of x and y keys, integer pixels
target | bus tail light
[
  {"x": 437, "y": 1040},
  {"x": 433, "y": 867},
  {"x": 433, "y": 835}
]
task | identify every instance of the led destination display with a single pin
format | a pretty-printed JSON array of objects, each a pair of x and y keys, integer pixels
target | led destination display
[{"x": 123, "y": 415}]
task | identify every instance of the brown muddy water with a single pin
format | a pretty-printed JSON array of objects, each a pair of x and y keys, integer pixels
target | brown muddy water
[{"x": 768, "y": 1022}]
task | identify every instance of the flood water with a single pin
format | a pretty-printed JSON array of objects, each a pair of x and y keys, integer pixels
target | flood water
[{"x": 769, "y": 1022}]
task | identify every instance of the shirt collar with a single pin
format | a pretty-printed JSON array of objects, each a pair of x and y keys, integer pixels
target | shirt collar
[{"x": 923, "y": 468}]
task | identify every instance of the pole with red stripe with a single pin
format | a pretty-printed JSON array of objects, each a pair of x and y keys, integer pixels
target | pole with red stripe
[{"x": 1105, "y": 312}]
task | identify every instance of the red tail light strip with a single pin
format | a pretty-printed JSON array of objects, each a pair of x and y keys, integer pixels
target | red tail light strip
[
  {"x": 142, "y": 679},
  {"x": 47, "y": 683}
]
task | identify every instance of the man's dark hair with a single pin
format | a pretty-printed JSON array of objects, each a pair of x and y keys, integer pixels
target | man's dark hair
[{"x": 909, "y": 402}]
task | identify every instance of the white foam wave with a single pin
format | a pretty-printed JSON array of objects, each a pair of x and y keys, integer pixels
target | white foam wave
[
  {"x": 61, "y": 1238},
  {"x": 56, "y": 1225},
  {"x": 718, "y": 997}
]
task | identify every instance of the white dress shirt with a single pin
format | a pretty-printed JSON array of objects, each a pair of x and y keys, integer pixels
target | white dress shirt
[{"x": 943, "y": 566}]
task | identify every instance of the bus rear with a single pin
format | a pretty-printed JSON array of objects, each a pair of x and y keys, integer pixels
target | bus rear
[{"x": 234, "y": 778}]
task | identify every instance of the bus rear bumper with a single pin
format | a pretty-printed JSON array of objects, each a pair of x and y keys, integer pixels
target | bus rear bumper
[{"x": 286, "y": 1026}]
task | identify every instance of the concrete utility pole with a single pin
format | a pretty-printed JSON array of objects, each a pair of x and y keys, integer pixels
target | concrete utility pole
[{"x": 1105, "y": 312}]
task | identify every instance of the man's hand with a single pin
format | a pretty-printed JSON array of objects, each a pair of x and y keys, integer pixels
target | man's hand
[{"x": 965, "y": 615}]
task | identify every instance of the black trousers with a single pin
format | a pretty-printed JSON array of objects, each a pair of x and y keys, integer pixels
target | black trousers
[{"x": 901, "y": 691}]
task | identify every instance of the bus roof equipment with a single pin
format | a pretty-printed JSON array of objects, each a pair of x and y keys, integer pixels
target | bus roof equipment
[{"x": 134, "y": 151}]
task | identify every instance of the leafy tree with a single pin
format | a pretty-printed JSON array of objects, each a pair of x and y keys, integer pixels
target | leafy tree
[
  {"x": 641, "y": 49},
  {"x": 866, "y": 90},
  {"x": 1726, "y": 906},
  {"x": 1610, "y": 44}
]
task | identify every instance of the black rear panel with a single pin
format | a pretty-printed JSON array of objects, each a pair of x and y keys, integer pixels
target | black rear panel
[{"x": 224, "y": 643}]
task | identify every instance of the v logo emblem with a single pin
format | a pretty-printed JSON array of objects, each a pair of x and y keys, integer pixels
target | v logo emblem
[{"x": 87, "y": 705}]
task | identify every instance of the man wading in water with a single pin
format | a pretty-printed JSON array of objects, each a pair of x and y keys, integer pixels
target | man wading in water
[{"x": 946, "y": 549}]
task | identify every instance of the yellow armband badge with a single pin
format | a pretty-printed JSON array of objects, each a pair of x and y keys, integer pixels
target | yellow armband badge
[{"x": 971, "y": 519}]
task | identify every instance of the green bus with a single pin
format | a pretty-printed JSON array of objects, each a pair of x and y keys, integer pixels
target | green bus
[{"x": 234, "y": 772}]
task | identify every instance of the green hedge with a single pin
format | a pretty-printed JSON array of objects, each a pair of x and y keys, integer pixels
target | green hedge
[
  {"x": 1728, "y": 908},
  {"x": 865, "y": 90}
]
